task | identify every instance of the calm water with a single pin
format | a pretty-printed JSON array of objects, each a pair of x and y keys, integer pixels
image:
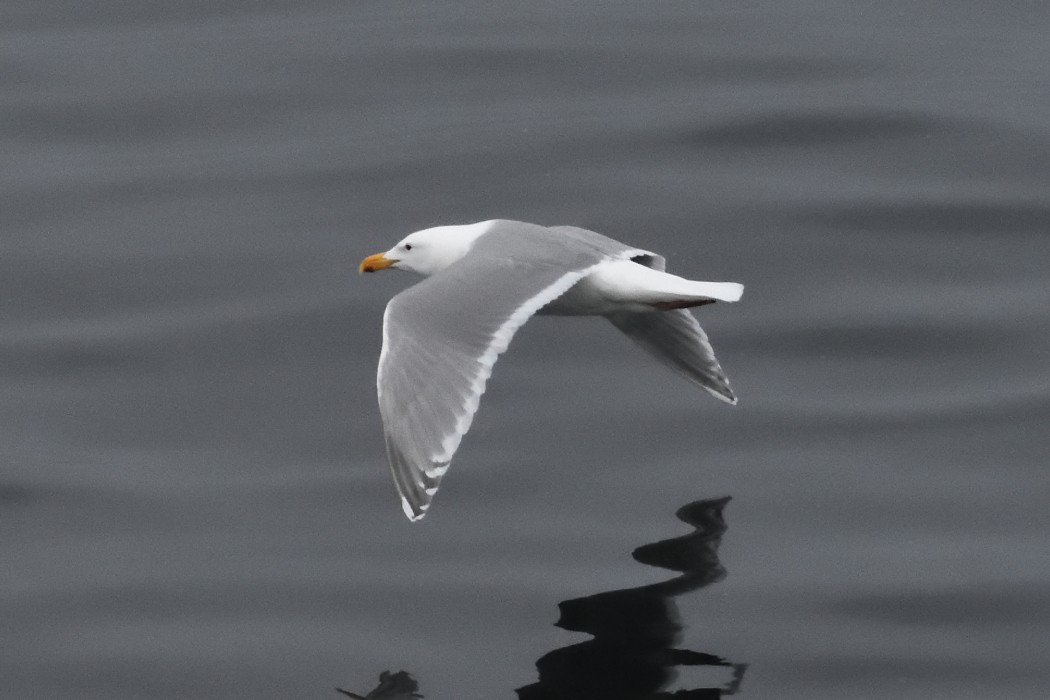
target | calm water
[{"x": 194, "y": 501}]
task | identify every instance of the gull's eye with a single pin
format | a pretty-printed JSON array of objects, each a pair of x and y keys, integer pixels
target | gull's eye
[{"x": 408, "y": 246}]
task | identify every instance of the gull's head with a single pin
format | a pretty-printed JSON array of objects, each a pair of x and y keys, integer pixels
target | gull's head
[{"x": 428, "y": 251}]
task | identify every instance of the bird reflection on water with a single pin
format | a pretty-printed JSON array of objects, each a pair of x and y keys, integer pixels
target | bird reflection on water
[
  {"x": 392, "y": 686},
  {"x": 632, "y": 655}
]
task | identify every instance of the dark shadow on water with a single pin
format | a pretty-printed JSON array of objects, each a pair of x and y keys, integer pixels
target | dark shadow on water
[
  {"x": 392, "y": 686},
  {"x": 632, "y": 655}
]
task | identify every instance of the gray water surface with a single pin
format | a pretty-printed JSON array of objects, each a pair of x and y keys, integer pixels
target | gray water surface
[{"x": 194, "y": 501}]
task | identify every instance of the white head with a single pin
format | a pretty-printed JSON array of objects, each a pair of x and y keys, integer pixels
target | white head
[{"x": 428, "y": 251}]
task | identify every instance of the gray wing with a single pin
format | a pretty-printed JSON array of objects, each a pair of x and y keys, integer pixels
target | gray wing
[
  {"x": 442, "y": 337},
  {"x": 676, "y": 339}
]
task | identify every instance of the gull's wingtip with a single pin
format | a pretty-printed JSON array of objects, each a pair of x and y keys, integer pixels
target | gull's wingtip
[
  {"x": 720, "y": 391},
  {"x": 414, "y": 486},
  {"x": 413, "y": 512}
]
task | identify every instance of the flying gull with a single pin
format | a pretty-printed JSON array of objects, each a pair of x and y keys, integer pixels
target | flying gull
[{"x": 442, "y": 336}]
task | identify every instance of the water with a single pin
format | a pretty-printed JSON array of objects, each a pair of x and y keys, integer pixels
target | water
[{"x": 193, "y": 496}]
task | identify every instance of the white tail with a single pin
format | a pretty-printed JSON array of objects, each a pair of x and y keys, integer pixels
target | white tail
[
  {"x": 623, "y": 285},
  {"x": 722, "y": 291}
]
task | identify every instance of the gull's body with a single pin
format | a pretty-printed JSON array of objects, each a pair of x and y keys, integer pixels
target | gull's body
[{"x": 442, "y": 336}]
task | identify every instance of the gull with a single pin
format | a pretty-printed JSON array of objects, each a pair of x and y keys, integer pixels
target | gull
[{"x": 442, "y": 336}]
